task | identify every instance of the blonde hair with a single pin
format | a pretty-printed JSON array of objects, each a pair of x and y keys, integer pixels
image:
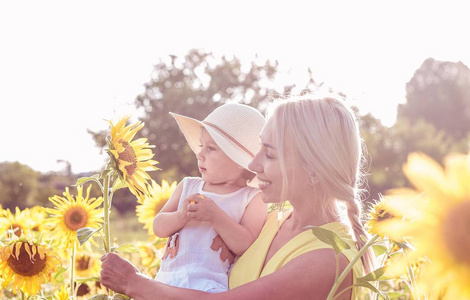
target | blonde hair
[{"x": 324, "y": 133}]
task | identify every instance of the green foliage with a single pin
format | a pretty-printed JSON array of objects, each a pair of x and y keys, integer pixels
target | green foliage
[
  {"x": 18, "y": 184},
  {"x": 439, "y": 92},
  {"x": 194, "y": 86},
  {"x": 388, "y": 149},
  {"x": 331, "y": 238}
]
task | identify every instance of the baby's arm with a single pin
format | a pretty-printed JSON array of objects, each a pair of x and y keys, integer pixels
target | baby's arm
[
  {"x": 169, "y": 220},
  {"x": 237, "y": 237}
]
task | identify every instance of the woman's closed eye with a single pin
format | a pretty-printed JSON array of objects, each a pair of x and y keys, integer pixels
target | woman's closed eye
[{"x": 268, "y": 156}]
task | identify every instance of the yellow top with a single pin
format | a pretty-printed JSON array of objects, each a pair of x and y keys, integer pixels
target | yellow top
[{"x": 249, "y": 266}]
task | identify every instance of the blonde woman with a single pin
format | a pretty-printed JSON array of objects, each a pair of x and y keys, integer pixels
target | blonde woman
[{"x": 311, "y": 155}]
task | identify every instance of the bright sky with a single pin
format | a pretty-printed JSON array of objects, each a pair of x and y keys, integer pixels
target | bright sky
[{"x": 65, "y": 66}]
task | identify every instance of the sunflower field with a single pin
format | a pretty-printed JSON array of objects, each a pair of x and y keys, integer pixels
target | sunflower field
[{"x": 420, "y": 236}]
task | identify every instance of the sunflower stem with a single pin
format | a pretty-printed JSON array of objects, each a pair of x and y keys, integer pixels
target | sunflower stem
[
  {"x": 107, "y": 207},
  {"x": 72, "y": 271},
  {"x": 107, "y": 210},
  {"x": 350, "y": 266}
]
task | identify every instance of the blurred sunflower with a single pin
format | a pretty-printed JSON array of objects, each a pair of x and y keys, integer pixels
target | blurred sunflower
[
  {"x": 26, "y": 264},
  {"x": 380, "y": 213},
  {"x": 437, "y": 222},
  {"x": 16, "y": 223},
  {"x": 62, "y": 294},
  {"x": 150, "y": 205},
  {"x": 147, "y": 254},
  {"x": 36, "y": 217},
  {"x": 87, "y": 265},
  {"x": 131, "y": 159},
  {"x": 71, "y": 214}
]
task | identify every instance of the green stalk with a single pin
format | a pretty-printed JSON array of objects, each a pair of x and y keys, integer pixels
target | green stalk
[
  {"x": 107, "y": 207},
  {"x": 72, "y": 271},
  {"x": 350, "y": 266},
  {"x": 107, "y": 210}
]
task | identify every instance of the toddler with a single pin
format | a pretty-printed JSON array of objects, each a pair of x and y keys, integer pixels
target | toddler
[{"x": 212, "y": 219}]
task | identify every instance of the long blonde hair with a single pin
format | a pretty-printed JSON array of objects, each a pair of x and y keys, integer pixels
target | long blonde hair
[{"x": 324, "y": 133}]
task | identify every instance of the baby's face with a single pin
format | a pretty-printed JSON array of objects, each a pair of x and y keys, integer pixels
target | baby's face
[{"x": 215, "y": 167}]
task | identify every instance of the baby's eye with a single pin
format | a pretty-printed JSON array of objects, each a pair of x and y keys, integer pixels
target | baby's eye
[
  {"x": 200, "y": 145},
  {"x": 211, "y": 148}
]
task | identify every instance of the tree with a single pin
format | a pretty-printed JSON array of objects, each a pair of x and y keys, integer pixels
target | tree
[
  {"x": 194, "y": 86},
  {"x": 388, "y": 149},
  {"x": 18, "y": 185},
  {"x": 439, "y": 92}
]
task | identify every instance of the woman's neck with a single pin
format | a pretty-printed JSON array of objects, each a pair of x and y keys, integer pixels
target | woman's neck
[{"x": 303, "y": 217}]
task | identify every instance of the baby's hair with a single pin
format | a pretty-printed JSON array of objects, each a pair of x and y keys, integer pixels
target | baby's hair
[{"x": 324, "y": 133}]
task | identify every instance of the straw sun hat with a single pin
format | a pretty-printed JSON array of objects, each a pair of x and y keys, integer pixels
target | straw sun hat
[{"x": 234, "y": 127}]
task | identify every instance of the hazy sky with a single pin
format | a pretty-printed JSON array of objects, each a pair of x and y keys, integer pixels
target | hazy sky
[{"x": 67, "y": 65}]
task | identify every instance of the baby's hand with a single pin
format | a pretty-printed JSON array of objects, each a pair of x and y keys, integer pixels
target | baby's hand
[
  {"x": 202, "y": 208},
  {"x": 188, "y": 200}
]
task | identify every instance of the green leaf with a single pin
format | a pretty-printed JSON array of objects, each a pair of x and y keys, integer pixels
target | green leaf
[
  {"x": 82, "y": 280},
  {"x": 83, "y": 180},
  {"x": 396, "y": 295},
  {"x": 100, "y": 297},
  {"x": 119, "y": 184},
  {"x": 127, "y": 248},
  {"x": 85, "y": 233},
  {"x": 58, "y": 274},
  {"x": 376, "y": 275},
  {"x": 405, "y": 245},
  {"x": 118, "y": 296},
  {"x": 379, "y": 250},
  {"x": 331, "y": 238},
  {"x": 373, "y": 288}
]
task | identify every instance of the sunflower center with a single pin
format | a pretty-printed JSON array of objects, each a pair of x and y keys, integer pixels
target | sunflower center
[
  {"x": 75, "y": 218},
  {"x": 83, "y": 263},
  {"x": 16, "y": 229},
  {"x": 128, "y": 155},
  {"x": 456, "y": 231},
  {"x": 383, "y": 215},
  {"x": 26, "y": 265}
]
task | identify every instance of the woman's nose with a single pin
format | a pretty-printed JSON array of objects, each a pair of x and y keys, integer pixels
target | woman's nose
[{"x": 255, "y": 164}]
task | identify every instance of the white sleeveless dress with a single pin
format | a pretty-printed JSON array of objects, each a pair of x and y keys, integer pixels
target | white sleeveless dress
[{"x": 189, "y": 261}]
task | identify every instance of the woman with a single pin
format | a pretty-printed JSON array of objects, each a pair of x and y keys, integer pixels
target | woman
[{"x": 311, "y": 156}]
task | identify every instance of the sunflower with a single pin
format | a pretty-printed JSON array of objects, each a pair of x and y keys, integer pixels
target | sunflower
[
  {"x": 26, "y": 264},
  {"x": 147, "y": 254},
  {"x": 37, "y": 216},
  {"x": 14, "y": 223},
  {"x": 131, "y": 159},
  {"x": 437, "y": 220},
  {"x": 150, "y": 205},
  {"x": 71, "y": 214},
  {"x": 380, "y": 213},
  {"x": 62, "y": 294},
  {"x": 87, "y": 265}
]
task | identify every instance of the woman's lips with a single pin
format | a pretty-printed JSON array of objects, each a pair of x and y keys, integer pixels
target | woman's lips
[{"x": 263, "y": 184}]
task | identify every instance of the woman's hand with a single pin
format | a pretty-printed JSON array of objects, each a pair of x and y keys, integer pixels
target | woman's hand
[
  {"x": 117, "y": 273},
  {"x": 202, "y": 208}
]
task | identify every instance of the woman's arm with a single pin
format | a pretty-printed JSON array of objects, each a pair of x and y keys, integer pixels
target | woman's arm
[
  {"x": 237, "y": 237},
  {"x": 309, "y": 276}
]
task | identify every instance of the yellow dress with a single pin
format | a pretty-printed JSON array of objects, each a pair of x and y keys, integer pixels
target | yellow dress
[{"x": 249, "y": 266}]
